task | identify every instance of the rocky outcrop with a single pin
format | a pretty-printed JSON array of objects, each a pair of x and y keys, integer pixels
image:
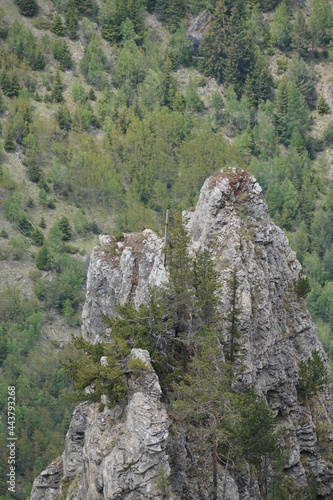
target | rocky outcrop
[
  {"x": 199, "y": 28},
  {"x": 120, "y": 453},
  {"x": 231, "y": 221},
  {"x": 120, "y": 270}
]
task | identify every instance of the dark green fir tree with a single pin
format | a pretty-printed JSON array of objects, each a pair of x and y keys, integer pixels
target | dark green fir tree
[
  {"x": 9, "y": 143},
  {"x": 58, "y": 86},
  {"x": 71, "y": 20},
  {"x": 65, "y": 228},
  {"x": 28, "y": 8},
  {"x": 322, "y": 106},
  {"x": 57, "y": 26}
]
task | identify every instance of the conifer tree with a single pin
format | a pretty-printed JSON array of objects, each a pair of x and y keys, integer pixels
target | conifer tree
[
  {"x": 85, "y": 7},
  {"x": 161, "y": 9},
  {"x": 37, "y": 237},
  {"x": 62, "y": 54},
  {"x": 9, "y": 143},
  {"x": 281, "y": 107},
  {"x": 10, "y": 86},
  {"x": 44, "y": 259},
  {"x": 64, "y": 118},
  {"x": 168, "y": 84},
  {"x": 179, "y": 294},
  {"x": 27, "y": 8},
  {"x": 175, "y": 12},
  {"x": 135, "y": 14},
  {"x": 71, "y": 20},
  {"x": 214, "y": 45},
  {"x": 281, "y": 28},
  {"x": 58, "y": 87},
  {"x": 205, "y": 286},
  {"x": 322, "y": 106},
  {"x": 57, "y": 26},
  {"x": 42, "y": 223},
  {"x": 2, "y": 104},
  {"x": 232, "y": 345},
  {"x": 65, "y": 228},
  {"x": 300, "y": 35},
  {"x": 320, "y": 23},
  {"x": 299, "y": 73}
]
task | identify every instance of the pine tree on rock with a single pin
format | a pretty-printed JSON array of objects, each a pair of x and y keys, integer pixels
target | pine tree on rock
[
  {"x": 58, "y": 86},
  {"x": 28, "y": 8},
  {"x": 179, "y": 294},
  {"x": 58, "y": 27}
]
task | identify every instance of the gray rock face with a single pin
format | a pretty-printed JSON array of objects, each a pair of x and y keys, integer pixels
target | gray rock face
[
  {"x": 198, "y": 28},
  {"x": 119, "y": 271},
  {"x": 121, "y": 453},
  {"x": 231, "y": 220},
  {"x": 116, "y": 454}
]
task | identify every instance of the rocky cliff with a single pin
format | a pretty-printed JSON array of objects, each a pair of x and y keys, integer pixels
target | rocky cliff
[{"x": 127, "y": 452}]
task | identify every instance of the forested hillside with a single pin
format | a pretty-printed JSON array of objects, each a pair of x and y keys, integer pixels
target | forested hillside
[{"x": 110, "y": 115}]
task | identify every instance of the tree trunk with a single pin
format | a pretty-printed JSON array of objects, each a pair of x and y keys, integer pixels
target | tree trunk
[{"x": 214, "y": 454}]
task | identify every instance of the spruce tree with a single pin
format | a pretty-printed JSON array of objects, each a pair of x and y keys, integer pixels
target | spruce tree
[
  {"x": 28, "y": 8},
  {"x": 65, "y": 228},
  {"x": 37, "y": 237},
  {"x": 320, "y": 23},
  {"x": 2, "y": 104},
  {"x": 322, "y": 106},
  {"x": 62, "y": 54},
  {"x": 42, "y": 223},
  {"x": 168, "y": 84},
  {"x": 281, "y": 28},
  {"x": 205, "y": 286},
  {"x": 57, "y": 26},
  {"x": 161, "y": 9},
  {"x": 213, "y": 48},
  {"x": 9, "y": 143},
  {"x": 300, "y": 35},
  {"x": 58, "y": 87},
  {"x": 64, "y": 118},
  {"x": 299, "y": 73},
  {"x": 179, "y": 294},
  {"x": 232, "y": 345},
  {"x": 71, "y": 20},
  {"x": 175, "y": 12},
  {"x": 135, "y": 14},
  {"x": 281, "y": 108}
]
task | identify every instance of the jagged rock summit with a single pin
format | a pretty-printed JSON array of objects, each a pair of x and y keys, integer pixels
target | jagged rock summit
[{"x": 231, "y": 221}]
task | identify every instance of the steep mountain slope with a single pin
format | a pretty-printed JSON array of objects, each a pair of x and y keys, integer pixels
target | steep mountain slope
[{"x": 277, "y": 335}]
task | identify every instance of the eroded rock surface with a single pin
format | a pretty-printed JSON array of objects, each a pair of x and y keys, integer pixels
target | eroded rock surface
[
  {"x": 120, "y": 270},
  {"x": 116, "y": 454}
]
